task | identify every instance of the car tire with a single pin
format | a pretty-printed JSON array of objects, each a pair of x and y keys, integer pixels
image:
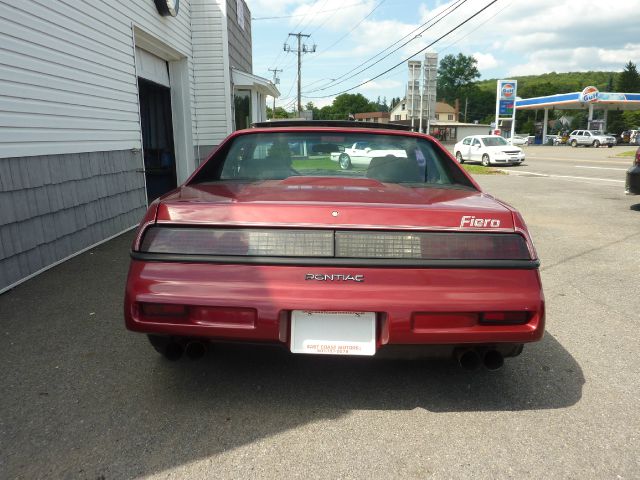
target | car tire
[
  {"x": 486, "y": 161},
  {"x": 574, "y": 143},
  {"x": 596, "y": 143},
  {"x": 459, "y": 157},
  {"x": 344, "y": 161},
  {"x": 165, "y": 346}
]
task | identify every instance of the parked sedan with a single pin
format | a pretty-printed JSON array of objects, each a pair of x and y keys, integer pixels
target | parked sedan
[
  {"x": 632, "y": 184},
  {"x": 256, "y": 248},
  {"x": 519, "y": 140},
  {"x": 488, "y": 149},
  {"x": 361, "y": 153}
]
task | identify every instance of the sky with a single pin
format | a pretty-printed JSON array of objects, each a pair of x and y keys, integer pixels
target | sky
[{"x": 509, "y": 38}]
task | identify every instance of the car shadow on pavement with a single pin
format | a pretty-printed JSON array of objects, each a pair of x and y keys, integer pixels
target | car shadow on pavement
[{"x": 84, "y": 398}]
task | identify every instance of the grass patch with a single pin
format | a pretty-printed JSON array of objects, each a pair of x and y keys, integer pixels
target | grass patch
[
  {"x": 629, "y": 153},
  {"x": 480, "y": 170},
  {"x": 315, "y": 163}
]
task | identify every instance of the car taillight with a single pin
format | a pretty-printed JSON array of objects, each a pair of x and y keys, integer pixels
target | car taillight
[
  {"x": 239, "y": 242},
  {"x": 356, "y": 244},
  {"x": 432, "y": 245}
]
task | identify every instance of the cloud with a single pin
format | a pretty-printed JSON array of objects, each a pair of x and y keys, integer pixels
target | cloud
[
  {"x": 577, "y": 59},
  {"x": 332, "y": 15},
  {"x": 381, "y": 84},
  {"x": 486, "y": 61}
]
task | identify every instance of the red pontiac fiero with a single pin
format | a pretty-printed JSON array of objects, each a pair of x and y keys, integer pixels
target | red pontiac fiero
[{"x": 272, "y": 241}]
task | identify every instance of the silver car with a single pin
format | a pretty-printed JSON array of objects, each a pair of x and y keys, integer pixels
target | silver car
[{"x": 590, "y": 138}]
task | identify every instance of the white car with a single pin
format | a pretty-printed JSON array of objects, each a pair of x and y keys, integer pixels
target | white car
[
  {"x": 361, "y": 153},
  {"x": 487, "y": 149},
  {"x": 519, "y": 140}
]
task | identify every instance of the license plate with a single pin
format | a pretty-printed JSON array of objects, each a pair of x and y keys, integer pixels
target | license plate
[{"x": 333, "y": 333}]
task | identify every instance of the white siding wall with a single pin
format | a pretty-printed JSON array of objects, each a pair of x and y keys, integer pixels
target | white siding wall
[
  {"x": 212, "y": 106},
  {"x": 67, "y": 72}
]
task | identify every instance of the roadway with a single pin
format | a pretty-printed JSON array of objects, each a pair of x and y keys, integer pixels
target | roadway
[{"x": 584, "y": 165}]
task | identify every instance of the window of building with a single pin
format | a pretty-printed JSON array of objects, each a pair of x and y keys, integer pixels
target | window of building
[
  {"x": 450, "y": 116},
  {"x": 242, "y": 104},
  {"x": 403, "y": 106},
  {"x": 397, "y": 117}
]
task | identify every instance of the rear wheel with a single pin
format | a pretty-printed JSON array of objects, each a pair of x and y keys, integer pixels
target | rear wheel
[
  {"x": 344, "y": 161},
  {"x": 166, "y": 346},
  {"x": 574, "y": 143},
  {"x": 459, "y": 157},
  {"x": 596, "y": 143},
  {"x": 485, "y": 160}
]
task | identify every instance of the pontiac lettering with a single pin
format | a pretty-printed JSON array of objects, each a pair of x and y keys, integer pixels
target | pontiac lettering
[{"x": 337, "y": 277}]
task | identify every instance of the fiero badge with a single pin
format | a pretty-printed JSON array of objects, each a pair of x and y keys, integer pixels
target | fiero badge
[
  {"x": 320, "y": 277},
  {"x": 473, "y": 222}
]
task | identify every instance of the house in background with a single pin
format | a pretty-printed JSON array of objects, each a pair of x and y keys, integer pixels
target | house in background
[
  {"x": 106, "y": 105},
  {"x": 375, "y": 117},
  {"x": 444, "y": 112},
  {"x": 445, "y": 127}
]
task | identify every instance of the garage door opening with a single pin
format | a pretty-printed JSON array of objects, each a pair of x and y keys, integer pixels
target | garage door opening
[{"x": 157, "y": 138}]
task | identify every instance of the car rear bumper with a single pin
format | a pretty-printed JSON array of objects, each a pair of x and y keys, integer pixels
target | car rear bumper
[{"x": 253, "y": 303}]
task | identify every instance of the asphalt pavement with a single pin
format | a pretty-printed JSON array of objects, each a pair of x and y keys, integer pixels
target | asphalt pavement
[{"x": 84, "y": 398}]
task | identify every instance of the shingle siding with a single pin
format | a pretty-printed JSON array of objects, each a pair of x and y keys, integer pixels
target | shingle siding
[
  {"x": 239, "y": 38},
  {"x": 73, "y": 201}
]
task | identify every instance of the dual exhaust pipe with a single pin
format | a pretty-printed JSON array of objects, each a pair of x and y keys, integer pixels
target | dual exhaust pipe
[
  {"x": 468, "y": 358},
  {"x": 472, "y": 359}
]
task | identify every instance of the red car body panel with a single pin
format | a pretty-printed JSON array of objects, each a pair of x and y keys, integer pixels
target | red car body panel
[
  {"x": 246, "y": 302},
  {"x": 398, "y": 296}
]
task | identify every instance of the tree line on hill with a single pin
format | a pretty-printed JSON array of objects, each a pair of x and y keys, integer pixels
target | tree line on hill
[{"x": 458, "y": 80}]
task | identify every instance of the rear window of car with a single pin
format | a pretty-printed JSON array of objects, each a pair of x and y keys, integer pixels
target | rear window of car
[
  {"x": 408, "y": 160},
  {"x": 494, "y": 141}
]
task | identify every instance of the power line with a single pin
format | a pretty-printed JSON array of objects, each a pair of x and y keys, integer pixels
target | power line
[
  {"x": 416, "y": 53},
  {"x": 449, "y": 10},
  {"x": 349, "y": 32}
]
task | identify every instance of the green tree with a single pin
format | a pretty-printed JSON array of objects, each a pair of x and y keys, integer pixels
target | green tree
[
  {"x": 353, "y": 103},
  {"x": 279, "y": 113},
  {"x": 456, "y": 75},
  {"x": 629, "y": 79}
]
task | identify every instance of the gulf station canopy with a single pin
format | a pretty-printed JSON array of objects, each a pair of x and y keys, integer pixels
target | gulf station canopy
[{"x": 590, "y": 98}]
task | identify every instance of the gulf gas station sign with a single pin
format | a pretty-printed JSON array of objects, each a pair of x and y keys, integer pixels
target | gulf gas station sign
[{"x": 506, "y": 97}]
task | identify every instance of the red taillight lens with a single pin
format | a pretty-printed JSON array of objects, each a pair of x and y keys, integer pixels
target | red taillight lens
[
  {"x": 163, "y": 310},
  {"x": 505, "y": 317}
]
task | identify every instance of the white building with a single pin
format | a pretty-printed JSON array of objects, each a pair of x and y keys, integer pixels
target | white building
[{"x": 104, "y": 104}]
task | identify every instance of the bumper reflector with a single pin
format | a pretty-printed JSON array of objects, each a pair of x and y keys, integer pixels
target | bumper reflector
[{"x": 505, "y": 317}]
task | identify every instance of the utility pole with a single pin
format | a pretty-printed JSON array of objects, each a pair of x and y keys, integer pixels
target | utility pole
[
  {"x": 421, "y": 86},
  {"x": 302, "y": 48},
  {"x": 276, "y": 81}
]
